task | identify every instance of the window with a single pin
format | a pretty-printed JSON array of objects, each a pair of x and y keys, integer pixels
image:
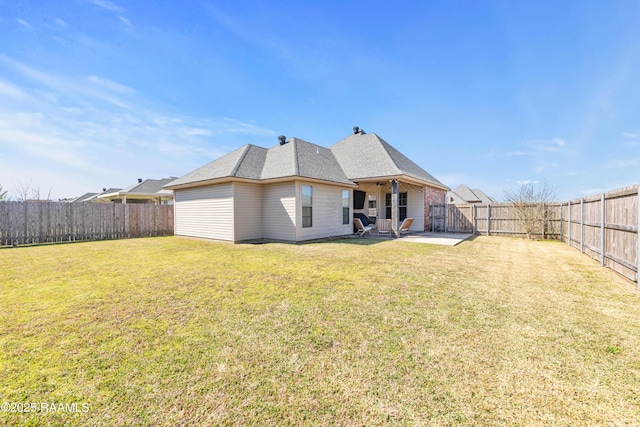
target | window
[
  {"x": 373, "y": 205},
  {"x": 345, "y": 206},
  {"x": 402, "y": 205},
  {"x": 307, "y": 206}
]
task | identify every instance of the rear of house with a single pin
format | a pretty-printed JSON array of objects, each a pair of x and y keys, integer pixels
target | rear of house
[{"x": 297, "y": 191}]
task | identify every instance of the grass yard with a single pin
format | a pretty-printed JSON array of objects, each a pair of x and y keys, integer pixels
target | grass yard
[{"x": 171, "y": 331}]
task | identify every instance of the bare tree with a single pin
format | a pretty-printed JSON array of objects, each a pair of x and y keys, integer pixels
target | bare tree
[
  {"x": 529, "y": 204},
  {"x": 26, "y": 190},
  {"x": 3, "y": 194}
]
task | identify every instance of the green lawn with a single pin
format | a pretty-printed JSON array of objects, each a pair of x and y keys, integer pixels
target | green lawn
[{"x": 172, "y": 331}]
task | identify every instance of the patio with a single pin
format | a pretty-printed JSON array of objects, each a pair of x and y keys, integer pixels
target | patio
[{"x": 445, "y": 239}]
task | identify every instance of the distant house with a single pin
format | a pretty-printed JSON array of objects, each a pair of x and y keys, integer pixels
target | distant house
[
  {"x": 144, "y": 191},
  {"x": 297, "y": 190},
  {"x": 89, "y": 197},
  {"x": 463, "y": 195}
]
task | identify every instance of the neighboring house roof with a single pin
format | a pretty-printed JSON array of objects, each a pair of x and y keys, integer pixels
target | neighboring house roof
[
  {"x": 463, "y": 195},
  {"x": 81, "y": 198},
  {"x": 146, "y": 188},
  {"x": 484, "y": 198},
  {"x": 357, "y": 157},
  {"x": 365, "y": 156},
  {"x": 89, "y": 197},
  {"x": 295, "y": 158}
]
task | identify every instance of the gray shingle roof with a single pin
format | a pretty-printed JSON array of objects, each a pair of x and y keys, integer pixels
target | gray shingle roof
[
  {"x": 82, "y": 198},
  {"x": 313, "y": 161},
  {"x": 230, "y": 165},
  {"x": 365, "y": 156},
  {"x": 484, "y": 198},
  {"x": 295, "y": 158},
  {"x": 466, "y": 193},
  {"x": 148, "y": 186},
  {"x": 354, "y": 158},
  {"x": 463, "y": 194}
]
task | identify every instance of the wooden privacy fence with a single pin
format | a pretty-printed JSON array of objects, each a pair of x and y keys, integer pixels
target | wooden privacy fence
[
  {"x": 605, "y": 227},
  {"x": 495, "y": 219},
  {"x": 47, "y": 222}
]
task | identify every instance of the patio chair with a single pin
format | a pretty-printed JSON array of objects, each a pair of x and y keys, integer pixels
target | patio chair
[
  {"x": 361, "y": 229},
  {"x": 406, "y": 224},
  {"x": 384, "y": 226}
]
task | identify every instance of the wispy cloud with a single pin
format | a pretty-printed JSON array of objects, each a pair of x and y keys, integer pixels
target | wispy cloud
[
  {"x": 631, "y": 135},
  {"x": 549, "y": 145},
  {"x": 81, "y": 122},
  {"x": 61, "y": 22},
  {"x": 125, "y": 21},
  {"x": 10, "y": 90},
  {"x": 108, "y": 5},
  {"x": 631, "y": 139},
  {"x": 24, "y": 23},
  {"x": 110, "y": 85},
  {"x": 622, "y": 163},
  {"x": 526, "y": 182},
  {"x": 520, "y": 153}
]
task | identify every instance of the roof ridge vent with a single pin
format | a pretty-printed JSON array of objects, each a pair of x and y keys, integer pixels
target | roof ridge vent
[{"x": 282, "y": 139}]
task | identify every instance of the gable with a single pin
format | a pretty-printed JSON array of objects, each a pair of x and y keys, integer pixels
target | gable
[{"x": 364, "y": 156}]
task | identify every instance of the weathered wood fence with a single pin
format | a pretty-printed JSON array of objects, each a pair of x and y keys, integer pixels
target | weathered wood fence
[
  {"x": 495, "y": 219},
  {"x": 47, "y": 222},
  {"x": 605, "y": 227}
]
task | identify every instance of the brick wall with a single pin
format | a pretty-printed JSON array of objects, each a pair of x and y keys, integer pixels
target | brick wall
[{"x": 431, "y": 196}]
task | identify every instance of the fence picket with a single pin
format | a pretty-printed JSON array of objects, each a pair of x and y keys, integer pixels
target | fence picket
[{"x": 42, "y": 222}]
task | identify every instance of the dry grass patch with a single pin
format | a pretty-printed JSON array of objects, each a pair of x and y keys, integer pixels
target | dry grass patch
[{"x": 170, "y": 331}]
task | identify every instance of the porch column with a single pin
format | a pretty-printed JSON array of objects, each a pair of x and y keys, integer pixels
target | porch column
[{"x": 394, "y": 207}]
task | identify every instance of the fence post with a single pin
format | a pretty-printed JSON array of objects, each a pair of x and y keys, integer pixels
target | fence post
[
  {"x": 569, "y": 225},
  {"x": 446, "y": 214},
  {"x": 582, "y": 225},
  {"x": 431, "y": 216},
  {"x": 638, "y": 241},
  {"x": 474, "y": 225},
  {"x": 561, "y": 229},
  {"x": 544, "y": 219},
  {"x": 488, "y": 220},
  {"x": 602, "y": 229}
]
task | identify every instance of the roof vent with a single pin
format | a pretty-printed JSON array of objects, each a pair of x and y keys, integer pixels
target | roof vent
[
  {"x": 104, "y": 189},
  {"x": 139, "y": 180},
  {"x": 357, "y": 130},
  {"x": 282, "y": 139}
]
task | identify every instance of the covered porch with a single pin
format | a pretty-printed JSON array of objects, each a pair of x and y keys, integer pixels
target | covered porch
[{"x": 391, "y": 199}]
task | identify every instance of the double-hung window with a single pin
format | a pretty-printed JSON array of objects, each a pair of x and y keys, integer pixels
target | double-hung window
[
  {"x": 346, "y": 201},
  {"x": 307, "y": 206},
  {"x": 402, "y": 206}
]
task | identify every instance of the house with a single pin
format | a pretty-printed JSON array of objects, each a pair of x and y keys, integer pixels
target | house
[
  {"x": 89, "y": 197},
  {"x": 297, "y": 190},
  {"x": 144, "y": 191},
  {"x": 463, "y": 195}
]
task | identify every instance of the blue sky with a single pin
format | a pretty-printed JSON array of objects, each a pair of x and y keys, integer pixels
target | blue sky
[{"x": 97, "y": 93}]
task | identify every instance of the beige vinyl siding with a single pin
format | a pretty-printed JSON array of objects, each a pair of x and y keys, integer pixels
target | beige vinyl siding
[
  {"x": 205, "y": 212},
  {"x": 279, "y": 211},
  {"x": 415, "y": 208},
  {"x": 327, "y": 213},
  {"x": 247, "y": 202}
]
